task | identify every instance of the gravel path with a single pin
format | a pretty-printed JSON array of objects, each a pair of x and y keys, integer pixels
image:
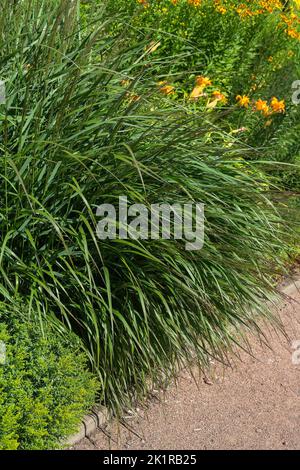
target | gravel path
[{"x": 253, "y": 405}]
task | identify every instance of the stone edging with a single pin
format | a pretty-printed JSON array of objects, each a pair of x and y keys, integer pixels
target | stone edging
[{"x": 99, "y": 416}]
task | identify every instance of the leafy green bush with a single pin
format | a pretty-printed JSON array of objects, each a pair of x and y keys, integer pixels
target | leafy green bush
[
  {"x": 45, "y": 388},
  {"x": 85, "y": 123}
]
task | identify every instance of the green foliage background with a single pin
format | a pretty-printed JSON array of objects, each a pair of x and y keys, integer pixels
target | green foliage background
[{"x": 250, "y": 56}]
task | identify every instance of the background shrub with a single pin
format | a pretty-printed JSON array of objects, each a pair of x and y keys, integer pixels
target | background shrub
[{"x": 245, "y": 48}]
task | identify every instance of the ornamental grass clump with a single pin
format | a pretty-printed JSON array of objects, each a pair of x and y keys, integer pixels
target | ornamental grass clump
[{"x": 83, "y": 124}]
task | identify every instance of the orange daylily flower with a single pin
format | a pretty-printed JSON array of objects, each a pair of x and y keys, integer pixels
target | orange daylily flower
[
  {"x": 203, "y": 81},
  {"x": 219, "y": 96},
  {"x": 243, "y": 100},
  {"x": 166, "y": 89},
  {"x": 262, "y": 105},
  {"x": 144, "y": 3},
  {"x": 195, "y": 3},
  {"x": 277, "y": 106},
  {"x": 293, "y": 33}
]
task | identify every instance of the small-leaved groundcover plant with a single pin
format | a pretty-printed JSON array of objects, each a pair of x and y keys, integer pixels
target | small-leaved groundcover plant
[{"x": 45, "y": 388}]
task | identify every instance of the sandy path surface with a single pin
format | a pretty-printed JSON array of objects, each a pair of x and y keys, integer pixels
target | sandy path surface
[{"x": 253, "y": 405}]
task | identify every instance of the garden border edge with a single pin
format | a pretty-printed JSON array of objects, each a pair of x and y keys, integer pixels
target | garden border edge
[{"x": 94, "y": 420}]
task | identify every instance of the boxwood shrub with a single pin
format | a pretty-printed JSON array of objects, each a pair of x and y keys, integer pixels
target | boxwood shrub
[{"x": 45, "y": 387}]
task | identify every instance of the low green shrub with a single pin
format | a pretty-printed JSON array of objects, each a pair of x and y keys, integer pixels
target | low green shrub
[{"x": 45, "y": 388}]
